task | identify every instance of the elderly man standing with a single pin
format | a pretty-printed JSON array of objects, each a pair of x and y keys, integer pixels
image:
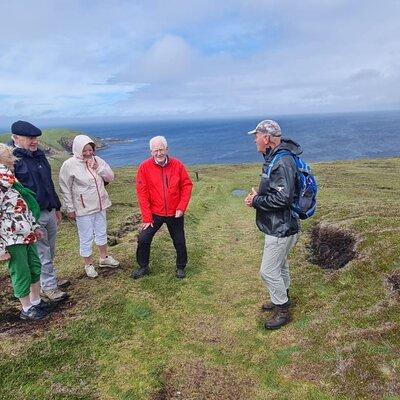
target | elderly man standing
[
  {"x": 274, "y": 216},
  {"x": 163, "y": 189},
  {"x": 33, "y": 170}
]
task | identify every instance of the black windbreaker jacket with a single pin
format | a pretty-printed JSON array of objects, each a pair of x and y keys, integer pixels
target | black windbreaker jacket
[
  {"x": 34, "y": 172},
  {"x": 275, "y": 195}
]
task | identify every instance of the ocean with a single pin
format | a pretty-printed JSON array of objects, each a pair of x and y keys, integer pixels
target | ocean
[{"x": 323, "y": 137}]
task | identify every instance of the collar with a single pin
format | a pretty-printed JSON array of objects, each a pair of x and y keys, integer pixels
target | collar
[{"x": 162, "y": 165}]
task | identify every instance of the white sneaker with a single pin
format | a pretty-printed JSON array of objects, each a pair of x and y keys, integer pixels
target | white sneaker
[
  {"x": 91, "y": 271},
  {"x": 109, "y": 261}
]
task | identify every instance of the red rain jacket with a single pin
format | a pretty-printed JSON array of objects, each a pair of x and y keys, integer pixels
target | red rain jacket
[{"x": 162, "y": 190}]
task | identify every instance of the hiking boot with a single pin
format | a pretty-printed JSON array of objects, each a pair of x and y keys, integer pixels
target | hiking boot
[
  {"x": 140, "y": 272},
  {"x": 33, "y": 314},
  {"x": 54, "y": 294},
  {"x": 271, "y": 306},
  {"x": 180, "y": 273},
  {"x": 280, "y": 317},
  {"x": 63, "y": 283},
  {"x": 44, "y": 305},
  {"x": 91, "y": 271},
  {"x": 109, "y": 261}
]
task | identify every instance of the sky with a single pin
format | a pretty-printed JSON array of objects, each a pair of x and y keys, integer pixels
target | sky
[{"x": 84, "y": 60}]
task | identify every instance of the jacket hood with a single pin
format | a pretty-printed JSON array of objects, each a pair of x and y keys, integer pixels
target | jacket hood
[
  {"x": 79, "y": 143},
  {"x": 286, "y": 144}
]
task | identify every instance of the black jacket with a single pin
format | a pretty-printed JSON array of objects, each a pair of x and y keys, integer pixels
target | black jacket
[
  {"x": 275, "y": 195},
  {"x": 34, "y": 172}
]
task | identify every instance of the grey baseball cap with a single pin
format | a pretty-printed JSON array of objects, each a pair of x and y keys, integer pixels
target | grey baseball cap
[{"x": 267, "y": 126}]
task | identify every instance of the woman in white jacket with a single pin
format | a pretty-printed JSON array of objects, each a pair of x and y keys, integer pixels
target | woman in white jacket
[{"x": 82, "y": 180}]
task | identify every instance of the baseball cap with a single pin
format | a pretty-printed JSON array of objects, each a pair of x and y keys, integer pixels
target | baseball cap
[{"x": 267, "y": 126}]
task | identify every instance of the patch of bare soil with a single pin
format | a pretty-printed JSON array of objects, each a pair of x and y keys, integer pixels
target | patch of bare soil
[
  {"x": 393, "y": 281},
  {"x": 331, "y": 247},
  {"x": 130, "y": 225},
  {"x": 11, "y": 324},
  {"x": 196, "y": 380}
]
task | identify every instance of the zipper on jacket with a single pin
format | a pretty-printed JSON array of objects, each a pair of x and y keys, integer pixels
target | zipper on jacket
[
  {"x": 83, "y": 204},
  {"x": 164, "y": 191},
  {"x": 97, "y": 188}
]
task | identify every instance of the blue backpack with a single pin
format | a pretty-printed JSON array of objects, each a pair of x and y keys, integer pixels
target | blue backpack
[{"x": 305, "y": 201}]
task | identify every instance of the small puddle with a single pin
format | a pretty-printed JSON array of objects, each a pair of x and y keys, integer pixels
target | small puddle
[{"x": 239, "y": 193}]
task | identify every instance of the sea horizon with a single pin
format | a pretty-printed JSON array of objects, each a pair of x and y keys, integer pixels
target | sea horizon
[{"x": 324, "y": 137}]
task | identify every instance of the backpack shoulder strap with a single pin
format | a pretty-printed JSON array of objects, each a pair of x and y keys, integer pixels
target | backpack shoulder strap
[{"x": 277, "y": 157}]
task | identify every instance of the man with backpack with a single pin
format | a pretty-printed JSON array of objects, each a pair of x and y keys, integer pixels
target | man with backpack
[{"x": 275, "y": 217}]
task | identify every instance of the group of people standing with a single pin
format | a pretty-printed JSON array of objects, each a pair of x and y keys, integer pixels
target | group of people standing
[{"x": 31, "y": 211}]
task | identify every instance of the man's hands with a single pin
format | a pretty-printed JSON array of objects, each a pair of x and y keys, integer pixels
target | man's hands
[
  {"x": 146, "y": 225},
  {"x": 248, "y": 201},
  {"x": 178, "y": 214},
  {"x": 5, "y": 256}
]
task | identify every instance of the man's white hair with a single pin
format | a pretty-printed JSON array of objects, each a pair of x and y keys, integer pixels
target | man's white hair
[{"x": 160, "y": 139}]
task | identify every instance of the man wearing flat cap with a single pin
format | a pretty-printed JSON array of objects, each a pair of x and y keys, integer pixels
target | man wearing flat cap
[
  {"x": 33, "y": 171},
  {"x": 274, "y": 216}
]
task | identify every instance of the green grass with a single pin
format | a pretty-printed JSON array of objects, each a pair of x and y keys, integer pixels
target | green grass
[{"x": 204, "y": 336}]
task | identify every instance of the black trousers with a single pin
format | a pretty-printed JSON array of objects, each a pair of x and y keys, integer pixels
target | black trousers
[{"x": 177, "y": 233}]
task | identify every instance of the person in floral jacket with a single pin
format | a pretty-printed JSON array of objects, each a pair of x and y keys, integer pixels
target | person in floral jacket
[{"x": 19, "y": 232}]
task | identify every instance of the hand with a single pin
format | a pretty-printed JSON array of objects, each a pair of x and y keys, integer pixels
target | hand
[
  {"x": 5, "y": 256},
  {"x": 146, "y": 225},
  {"x": 178, "y": 213},
  {"x": 92, "y": 163},
  {"x": 39, "y": 234},
  {"x": 248, "y": 201},
  {"x": 71, "y": 215},
  {"x": 58, "y": 217}
]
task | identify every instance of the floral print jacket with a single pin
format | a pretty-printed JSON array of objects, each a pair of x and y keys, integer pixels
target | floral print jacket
[{"x": 17, "y": 224}]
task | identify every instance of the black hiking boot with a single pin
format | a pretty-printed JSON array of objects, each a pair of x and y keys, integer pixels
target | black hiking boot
[
  {"x": 33, "y": 314},
  {"x": 140, "y": 272},
  {"x": 271, "y": 306},
  {"x": 180, "y": 273},
  {"x": 281, "y": 317}
]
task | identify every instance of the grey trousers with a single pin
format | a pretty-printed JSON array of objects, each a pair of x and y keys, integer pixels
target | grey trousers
[
  {"x": 275, "y": 266},
  {"x": 46, "y": 249}
]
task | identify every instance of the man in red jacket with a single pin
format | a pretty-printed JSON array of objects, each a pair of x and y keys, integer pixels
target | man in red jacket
[{"x": 163, "y": 189}]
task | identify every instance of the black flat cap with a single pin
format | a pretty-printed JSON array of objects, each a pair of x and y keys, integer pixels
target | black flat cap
[{"x": 23, "y": 128}]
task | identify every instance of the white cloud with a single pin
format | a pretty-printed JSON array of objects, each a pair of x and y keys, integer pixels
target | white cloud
[{"x": 200, "y": 58}]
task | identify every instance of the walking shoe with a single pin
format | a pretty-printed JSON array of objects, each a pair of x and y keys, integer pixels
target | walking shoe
[
  {"x": 91, "y": 271},
  {"x": 63, "y": 283},
  {"x": 33, "y": 314},
  {"x": 142, "y": 271},
  {"x": 280, "y": 317},
  {"x": 109, "y": 261},
  {"x": 271, "y": 306},
  {"x": 54, "y": 294},
  {"x": 44, "y": 305},
  {"x": 180, "y": 273}
]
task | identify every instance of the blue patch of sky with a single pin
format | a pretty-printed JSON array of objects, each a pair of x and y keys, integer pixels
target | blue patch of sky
[{"x": 233, "y": 35}]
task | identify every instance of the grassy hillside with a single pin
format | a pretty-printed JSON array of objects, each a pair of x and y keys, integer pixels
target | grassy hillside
[
  {"x": 55, "y": 140},
  {"x": 203, "y": 337},
  {"x": 49, "y": 137}
]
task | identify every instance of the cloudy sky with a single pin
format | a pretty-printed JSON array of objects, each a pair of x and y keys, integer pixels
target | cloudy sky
[{"x": 190, "y": 59}]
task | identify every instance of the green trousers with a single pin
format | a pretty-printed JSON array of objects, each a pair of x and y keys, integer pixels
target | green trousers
[{"x": 24, "y": 267}]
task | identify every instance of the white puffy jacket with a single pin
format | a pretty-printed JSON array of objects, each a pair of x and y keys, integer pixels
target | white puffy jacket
[{"x": 82, "y": 188}]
